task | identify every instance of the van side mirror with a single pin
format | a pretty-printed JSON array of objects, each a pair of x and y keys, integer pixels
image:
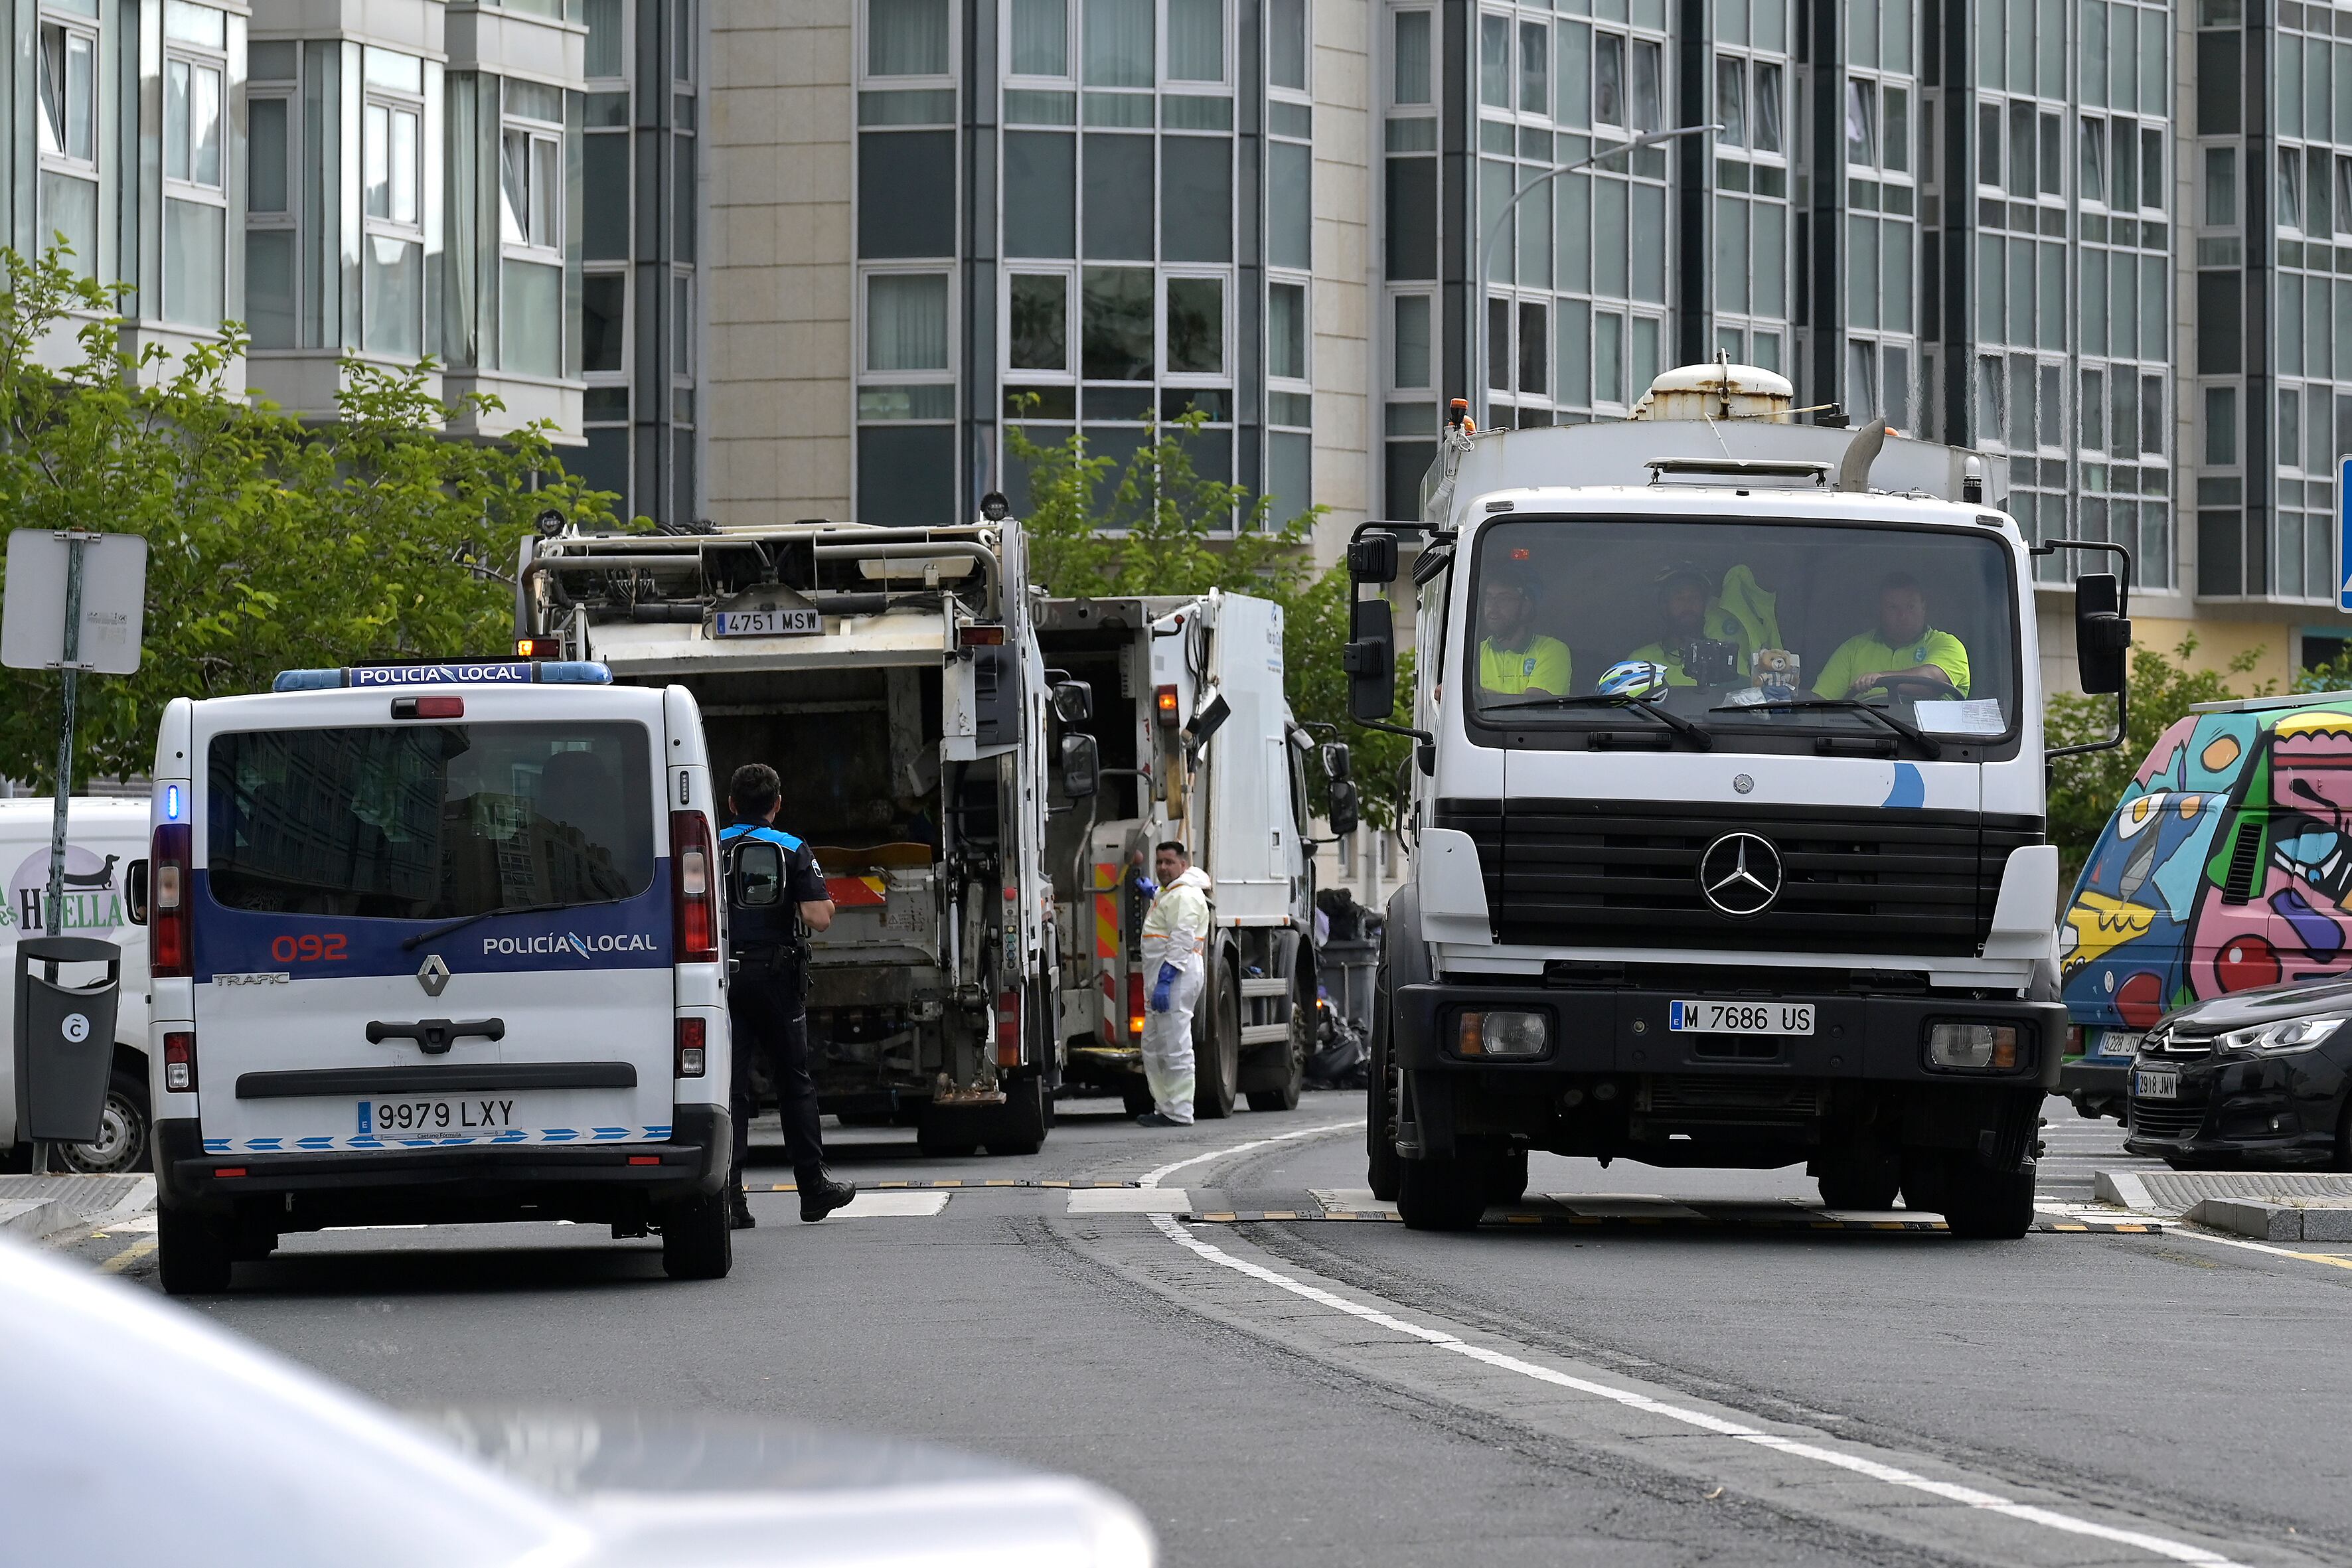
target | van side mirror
[
  {"x": 1081, "y": 766},
  {"x": 1073, "y": 701},
  {"x": 134, "y": 892},
  {"x": 755, "y": 875},
  {"x": 1373, "y": 556},
  {"x": 1339, "y": 762},
  {"x": 2102, "y": 632},
  {"x": 1369, "y": 661},
  {"x": 1345, "y": 812}
]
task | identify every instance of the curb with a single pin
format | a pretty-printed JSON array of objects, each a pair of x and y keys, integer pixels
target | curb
[{"x": 102, "y": 1203}]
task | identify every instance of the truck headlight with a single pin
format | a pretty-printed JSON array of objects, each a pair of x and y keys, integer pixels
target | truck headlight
[
  {"x": 1991, "y": 1047},
  {"x": 2295, "y": 1034},
  {"x": 1501, "y": 1033}
]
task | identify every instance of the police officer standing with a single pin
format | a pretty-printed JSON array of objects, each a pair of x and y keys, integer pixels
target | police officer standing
[{"x": 766, "y": 1001}]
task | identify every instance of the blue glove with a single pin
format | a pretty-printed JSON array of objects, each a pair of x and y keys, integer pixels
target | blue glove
[{"x": 1162, "y": 986}]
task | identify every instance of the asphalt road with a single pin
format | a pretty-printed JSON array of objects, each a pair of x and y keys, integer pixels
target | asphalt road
[{"x": 1672, "y": 1388}]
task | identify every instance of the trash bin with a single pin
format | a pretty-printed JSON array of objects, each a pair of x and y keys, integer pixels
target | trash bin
[{"x": 65, "y": 1040}]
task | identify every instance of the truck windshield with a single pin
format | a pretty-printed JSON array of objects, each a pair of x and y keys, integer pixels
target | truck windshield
[
  {"x": 427, "y": 822},
  {"x": 1750, "y": 629}
]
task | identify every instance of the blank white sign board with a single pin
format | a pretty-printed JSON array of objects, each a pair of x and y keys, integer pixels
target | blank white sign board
[{"x": 113, "y": 601}]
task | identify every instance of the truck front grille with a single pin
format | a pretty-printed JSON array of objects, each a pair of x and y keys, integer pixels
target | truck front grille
[
  {"x": 1743, "y": 1101},
  {"x": 1600, "y": 873}
]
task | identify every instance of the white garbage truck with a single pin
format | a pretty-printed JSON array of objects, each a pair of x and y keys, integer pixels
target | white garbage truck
[
  {"x": 892, "y": 676},
  {"x": 1196, "y": 744},
  {"x": 1729, "y": 804}
]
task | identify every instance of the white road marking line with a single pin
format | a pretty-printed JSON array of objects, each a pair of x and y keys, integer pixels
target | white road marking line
[
  {"x": 1130, "y": 1200},
  {"x": 1151, "y": 1179},
  {"x": 2049, "y": 1519}
]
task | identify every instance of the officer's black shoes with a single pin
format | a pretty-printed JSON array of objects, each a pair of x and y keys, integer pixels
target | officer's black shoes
[
  {"x": 739, "y": 1211},
  {"x": 821, "y": 1195},
  {"x": 1153, "y": 1119}
]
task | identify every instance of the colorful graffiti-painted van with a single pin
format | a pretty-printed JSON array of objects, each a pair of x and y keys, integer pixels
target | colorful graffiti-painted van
[{"x": 2226, "y": 865}]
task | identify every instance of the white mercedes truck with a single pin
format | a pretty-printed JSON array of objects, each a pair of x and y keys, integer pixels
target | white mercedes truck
[
  {"x": 1196, "y": 744},
  {"x": 1729, "y": 795},
  {"x": 892, "y": 676}
]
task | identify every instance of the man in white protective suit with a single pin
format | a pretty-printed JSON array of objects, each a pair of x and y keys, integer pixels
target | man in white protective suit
[{"x": 1173, "y": 932}]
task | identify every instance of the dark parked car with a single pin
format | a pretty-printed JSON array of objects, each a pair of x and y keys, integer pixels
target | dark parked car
[{"x": 2256, "y": 1079}]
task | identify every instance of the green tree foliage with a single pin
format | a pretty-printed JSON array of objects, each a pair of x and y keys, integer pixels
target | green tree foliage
[
  {"x": 2084, "y": 789},
  {"x": 270, "y": 544},
  {"x": 1157, "y": 526}
]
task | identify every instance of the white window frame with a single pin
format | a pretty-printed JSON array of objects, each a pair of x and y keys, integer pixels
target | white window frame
[
  {"x": 73, "y": 27},
  {"x": 1230, "y": 48},
  {"x": 1388, "y": 60},
  {"x": 1305, "y": 380},
  {"x": 1067, "y": 271},
  {"x": 1071, "y": 43},
  {"x": 197, "y": 58},
  {"x": 392, "y": 101},
  {"x": 1388, "y": 338},
  {"x": 1222, "y": 378},
  {"x": 951, "y": 372},
  {"x": 536, "y": 133},
  {"x": 947, "y": 79},
  {"x": 685, "y": 350},
  {"x": 623, "y": 376}
]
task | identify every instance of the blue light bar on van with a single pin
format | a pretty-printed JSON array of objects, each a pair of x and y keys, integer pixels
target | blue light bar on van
[{"x": 550, "y": 672}]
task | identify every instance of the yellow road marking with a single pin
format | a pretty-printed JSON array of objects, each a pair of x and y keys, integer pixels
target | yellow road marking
[
  {"x": 2323, "y": 1257},
  {"x": 126, "y": 1257}
]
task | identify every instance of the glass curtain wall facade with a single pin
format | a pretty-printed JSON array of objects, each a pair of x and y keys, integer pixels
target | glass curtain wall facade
[
  {"x": 638, "y": 317},
  {"x": 1079, "y": 216}
]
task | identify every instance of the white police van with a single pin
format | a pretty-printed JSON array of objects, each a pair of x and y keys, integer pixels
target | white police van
[{"x": 435, "y": 943}]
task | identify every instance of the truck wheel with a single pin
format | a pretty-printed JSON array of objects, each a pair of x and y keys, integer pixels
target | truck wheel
[
  {"x": 1923, "y": 1180},
  {"x": 1018, "y": 1126},
  {"x": 122, "y": 1132},
  {"x": 1285, "y": 1096},
  {"x": 193, "y": 1252},
  {"x": 698, "y": 1241},
  {"x": 1217, "y": 1058},
  {"x": 1507, "y": 1176},
  {"x": 1381, "y": 1166},
  {"x": 1987, "y": 1205},
  {"x": 1447, "y": 1193}
]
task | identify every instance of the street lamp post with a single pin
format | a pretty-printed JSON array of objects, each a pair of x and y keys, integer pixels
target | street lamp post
[{"x": 1486, "y": 242}]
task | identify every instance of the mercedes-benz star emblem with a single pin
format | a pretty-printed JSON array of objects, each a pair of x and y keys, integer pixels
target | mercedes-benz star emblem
[
  {"x": 1739, "y": 875},
  {"x": 436, "y": 975}
]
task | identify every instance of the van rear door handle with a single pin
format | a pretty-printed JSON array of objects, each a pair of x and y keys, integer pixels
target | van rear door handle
[{"x": 435, "y": 1035}]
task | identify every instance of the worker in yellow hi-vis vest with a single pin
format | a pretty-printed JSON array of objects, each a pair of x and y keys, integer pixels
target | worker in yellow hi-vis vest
[{"x": 1514, "y": 658}]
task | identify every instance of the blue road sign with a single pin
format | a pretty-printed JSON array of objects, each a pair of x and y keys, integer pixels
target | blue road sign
[{"x": 2343, "y": 534}]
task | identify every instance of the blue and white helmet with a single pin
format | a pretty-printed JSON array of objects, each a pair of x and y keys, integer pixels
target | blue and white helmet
[{"x": 1635, "y": 679}]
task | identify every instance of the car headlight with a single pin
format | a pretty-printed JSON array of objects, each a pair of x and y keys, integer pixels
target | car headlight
[
  {"x": 2294, "y": 1035},
  {"x": 1990, "y": 1047},
  {"x": 1501, "y": 1033}
]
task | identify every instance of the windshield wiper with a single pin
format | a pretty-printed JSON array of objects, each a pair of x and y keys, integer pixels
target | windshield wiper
[
  {"x": 462, "y": 921},
  {"x": 1903, "y": 727},
  {"x": 1690, "y": 730}
]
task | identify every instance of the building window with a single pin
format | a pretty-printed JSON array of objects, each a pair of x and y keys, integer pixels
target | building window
[
  {"x": 68, "y": 138},
  {"x": 391, "y": 174},
  {"x": 195, "y": 186},
  {"x": 531, "y": 229},
  {"x": 269, "y": 221}
]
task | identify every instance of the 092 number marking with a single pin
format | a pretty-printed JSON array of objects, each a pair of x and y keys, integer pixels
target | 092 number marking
[{"x": 311, "y": 949}]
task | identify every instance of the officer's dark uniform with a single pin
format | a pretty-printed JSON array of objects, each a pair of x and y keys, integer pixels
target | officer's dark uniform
[{"x": 766, "y": 1000}]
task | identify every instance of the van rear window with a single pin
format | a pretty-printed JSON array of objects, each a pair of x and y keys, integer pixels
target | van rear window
[{"x": 429, "y": 822}]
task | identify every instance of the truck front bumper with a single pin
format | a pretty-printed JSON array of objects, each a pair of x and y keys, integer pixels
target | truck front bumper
[
  {"x": 1601, "y": 1032},
  {"x": 447, "y": 1185}
]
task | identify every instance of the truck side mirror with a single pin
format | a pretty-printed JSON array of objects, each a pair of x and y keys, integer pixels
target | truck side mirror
[
  {"x": 755, "y": 875},
  {"x": 1369, "y": 660},
  {"x": 2102, "y": 631},
  {"x": 1339, "y": 762},
  {"x": 1081, "y": 765},
  {"x": 1344, "y": 812},
  {"x": 134, "y": 892},
  {"x": 1073, "y": 701},
  {"x": 1373, "y": 556}
]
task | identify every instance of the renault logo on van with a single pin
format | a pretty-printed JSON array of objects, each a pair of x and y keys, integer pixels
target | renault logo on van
[
  {"x": 433, "y": 976},
  {"x": 1739, "y": 875}
]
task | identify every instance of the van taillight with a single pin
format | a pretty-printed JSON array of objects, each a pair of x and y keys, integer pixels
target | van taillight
[
  {"x": 692, "y": 1033},
  {"x": 169, "y": 952},
  {"x": 694, "y": 909},
  {"x": 180, "y": 1062}
]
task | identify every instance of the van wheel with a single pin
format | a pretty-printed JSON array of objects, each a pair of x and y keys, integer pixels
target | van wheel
[
  {"x": 122, "y": 1132},
  {"x": 698, "y": 1241},
  {"x": 1987, "y": 1205},
  {"x": 1018, "y": 1126},
  {"x": 1217, "y": 1051},
  {"x": 193, "y": 1255}
]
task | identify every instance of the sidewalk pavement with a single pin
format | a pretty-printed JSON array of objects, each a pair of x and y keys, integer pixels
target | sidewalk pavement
[{"x": 32, "y": 1207}]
